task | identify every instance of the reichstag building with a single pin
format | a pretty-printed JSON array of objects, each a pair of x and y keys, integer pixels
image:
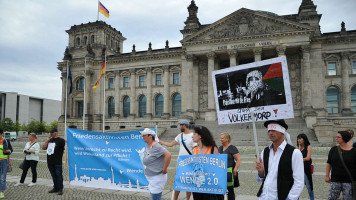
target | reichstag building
[{"x": 162, "y": 86}]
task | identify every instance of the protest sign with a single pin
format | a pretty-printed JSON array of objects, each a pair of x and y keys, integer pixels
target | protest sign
[
  {"x": 205, "y": 173},
  {"x": 262, "y": 87},
  {"x": 106, "y": 160}
]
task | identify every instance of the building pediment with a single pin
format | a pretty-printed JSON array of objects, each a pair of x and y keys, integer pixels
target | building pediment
[{"x": 245, "y": 23}]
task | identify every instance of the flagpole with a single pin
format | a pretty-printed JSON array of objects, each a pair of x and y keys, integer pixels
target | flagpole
[
  {"x": 97, "y": 19},
  {"x": 85, "y": 87},
  {"x": 104, "y": 94}
]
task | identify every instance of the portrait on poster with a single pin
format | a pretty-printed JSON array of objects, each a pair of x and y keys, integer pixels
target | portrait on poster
[{"x": 262, "y": 87}]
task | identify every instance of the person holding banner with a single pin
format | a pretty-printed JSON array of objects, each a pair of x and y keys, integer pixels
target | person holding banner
[
  {"x": 186, "y": 144},
  {"x": 280, "y": 167},
  {"x": 55, "y": 148},
  {"x": 156, "y": 160},
  {"x": 31, "y": 150},
  {"x": 206, "y": 145},
  {"x": 233, "y": 155}
]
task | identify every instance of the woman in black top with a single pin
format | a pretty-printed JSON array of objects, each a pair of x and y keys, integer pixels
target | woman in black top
[
  {"x": 340, "y": 180},
  {"x": 306, "y": 149},
  {"x": 233, "y": 154}
]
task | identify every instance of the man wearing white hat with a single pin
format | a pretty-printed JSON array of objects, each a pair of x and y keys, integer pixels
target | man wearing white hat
[
  {"x": 186, "y": 144},
  {"x": 280, "y": 167},
  {"x": 156, "y": 160}
]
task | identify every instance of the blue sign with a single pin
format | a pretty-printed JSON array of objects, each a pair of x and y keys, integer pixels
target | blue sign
[
  {"x": 106, "y": 160},
  {"x": 204, "y": 173}
]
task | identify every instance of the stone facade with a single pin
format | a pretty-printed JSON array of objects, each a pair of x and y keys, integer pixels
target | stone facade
[{"x": 242, "y": 37}]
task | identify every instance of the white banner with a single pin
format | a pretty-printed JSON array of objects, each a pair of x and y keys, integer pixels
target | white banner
[{"x": 262, "y": 87}]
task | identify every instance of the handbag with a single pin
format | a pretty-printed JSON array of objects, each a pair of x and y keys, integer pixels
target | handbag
[
  {"x": 312, "y": 168},
  {"x": 353, "y": 183},
  {"x": 22, "y": 164},
  {"x": 236, "y": 180},
  {"x": 9, "y": 167}
]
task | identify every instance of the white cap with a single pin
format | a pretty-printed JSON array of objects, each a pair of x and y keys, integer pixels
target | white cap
[{"x": 147, "y": 131}]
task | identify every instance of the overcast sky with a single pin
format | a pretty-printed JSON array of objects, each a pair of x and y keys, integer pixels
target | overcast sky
[{"x": 33, "y": 37}]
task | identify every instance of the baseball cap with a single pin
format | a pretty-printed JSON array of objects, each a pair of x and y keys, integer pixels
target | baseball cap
[
  {"x": 184, "y": 122},
  {"x": 53, "y": 130},
  {"x": 147, "y": 131}
]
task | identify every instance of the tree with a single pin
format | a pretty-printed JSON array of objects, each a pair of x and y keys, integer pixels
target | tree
[
  {"x": 36, "y": 127},
  {"x": 54, "y": 124},
  {"x": 17, "y": 126},
  {"x": 7, "y": 124}
]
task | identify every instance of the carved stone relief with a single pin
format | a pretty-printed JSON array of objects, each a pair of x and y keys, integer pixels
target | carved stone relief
[
  {"x": 247, "y": 25},
  {"x": 203, "y": 86}
]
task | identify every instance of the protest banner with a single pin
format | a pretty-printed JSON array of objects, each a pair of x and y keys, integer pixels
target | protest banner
[
  {"x": 107, "y": 160},
  {"x": 205, "y": 173},
  {"x": 261, "y": 87}
]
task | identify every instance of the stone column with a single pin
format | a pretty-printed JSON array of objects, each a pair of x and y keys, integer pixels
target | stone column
[
  {"x": 211, "y": 114},
  {"x": 149, "y": 93},
  {"x": 189, "y": 82},
  {"x": 346, "y": 68},
  {"x": 258, "y": 54},
  {"x": 232, "y": 54},
  {"x": 88, "y": 89},
  {"x": 64, "y": 78},
  {"x": 133, "y": 104},
  {"x": 281, "y": 50},
  {"x": 166, "y": 94},
  {"x": 117, "y": 94},
  {"x": 306, "y": 87}
]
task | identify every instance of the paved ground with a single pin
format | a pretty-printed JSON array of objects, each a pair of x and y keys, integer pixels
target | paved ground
[{"x": 246, "y": 191}]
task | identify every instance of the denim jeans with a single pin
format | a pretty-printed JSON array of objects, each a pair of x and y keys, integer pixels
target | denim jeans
[
  {"x": 57, "y": 176},
  {"x": 3, "y": 171},
  {"x": 26, "y": 166},
  {"x": 307, "y": 184},
  {"x": 157, "y": 196}
]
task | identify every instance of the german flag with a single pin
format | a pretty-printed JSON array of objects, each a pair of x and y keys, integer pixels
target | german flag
[
  {"x": 103, "y": 10},
  {"x": 101, "y": 73}
]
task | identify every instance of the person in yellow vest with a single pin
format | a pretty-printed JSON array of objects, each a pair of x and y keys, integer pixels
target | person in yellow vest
[{"x": 5, "y": 151}]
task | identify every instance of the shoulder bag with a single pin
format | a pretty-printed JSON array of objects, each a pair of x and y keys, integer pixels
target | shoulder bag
[
  {"x": 353, "y": 183},
  {"x": 186, "y": 148}
]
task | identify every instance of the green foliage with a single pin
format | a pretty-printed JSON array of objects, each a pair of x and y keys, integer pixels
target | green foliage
[
  {"x": 36, "y": 127},
  {"x": 7, "y": 124},
  {"x": 17, "y": 126},
  {"x": 54, "y": 124}
]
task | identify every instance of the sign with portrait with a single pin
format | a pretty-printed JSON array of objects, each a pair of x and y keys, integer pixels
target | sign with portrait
[{"x": 262, "y": 87}]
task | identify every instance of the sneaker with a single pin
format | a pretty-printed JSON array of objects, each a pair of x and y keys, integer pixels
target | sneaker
[
  {"x": 52, "y": 191},
  {"x": 60, "y": 192},
  {"x": 2, "y": 195},
  {"x": 18, "y": 184},
  {"x": 32, "y": 184}
]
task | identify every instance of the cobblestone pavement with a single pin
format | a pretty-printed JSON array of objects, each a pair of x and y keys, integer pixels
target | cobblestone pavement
[{"x": 246, "y": 191}]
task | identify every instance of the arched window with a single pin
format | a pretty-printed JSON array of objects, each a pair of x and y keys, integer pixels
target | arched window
[
  {"x": 80, "y": 84},
  {"x": 159, "y": 105},
  {"x": 85, "y": 40},
  {"x": 78, "y": 42},
  {"x": 332, "y": 100},
  {"x": 92, "y": 39},
  {"x": 111, "y": 107},
  {"x": 176, "y": 105},
  {"x": 126, "y": 106},
  {"x": 142, "y": 106},
  {"x": 353, "y": 99}
]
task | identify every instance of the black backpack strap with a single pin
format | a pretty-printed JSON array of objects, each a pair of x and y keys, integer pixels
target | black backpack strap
[{"x": 186, "y": 148}]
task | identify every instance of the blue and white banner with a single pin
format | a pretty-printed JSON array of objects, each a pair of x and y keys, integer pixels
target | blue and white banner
[
  {"x": 106, "y": 160},
  {"x": 206, "y": 173}
]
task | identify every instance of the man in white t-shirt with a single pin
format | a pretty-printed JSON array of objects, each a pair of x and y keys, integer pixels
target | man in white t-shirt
[{"x": 185, "y": 140}]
